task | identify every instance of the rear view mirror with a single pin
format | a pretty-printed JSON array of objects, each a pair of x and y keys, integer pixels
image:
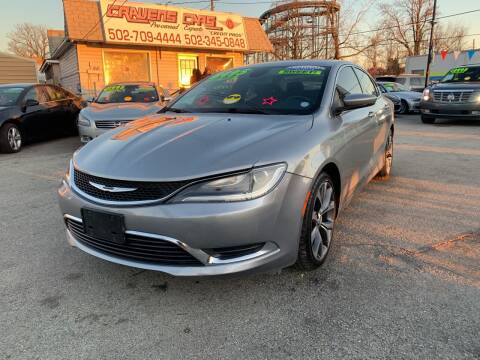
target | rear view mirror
[
  {"x": 356, "y": 101},
  {"x": 166, "y": 98}
]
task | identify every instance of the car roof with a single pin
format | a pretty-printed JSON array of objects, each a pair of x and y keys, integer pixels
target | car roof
[
  {"x": 21, "y": 85},
  {"x": 331, "y": 63},
  {"x": 132, "y": 83}
]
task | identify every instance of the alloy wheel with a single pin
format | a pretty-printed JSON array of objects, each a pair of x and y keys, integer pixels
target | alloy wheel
[
  {"x": 14, "y": 138},
  {"x": 323, "y": 218}
]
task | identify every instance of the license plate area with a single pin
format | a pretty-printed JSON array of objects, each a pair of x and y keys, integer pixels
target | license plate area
[{"x": 104, "y": 226}]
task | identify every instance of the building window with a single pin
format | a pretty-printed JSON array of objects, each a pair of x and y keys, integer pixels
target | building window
[
  {"x": 186, "y": 64},
  {"x": 126, "y": 66},
  {"x": 216, "y": 64}
]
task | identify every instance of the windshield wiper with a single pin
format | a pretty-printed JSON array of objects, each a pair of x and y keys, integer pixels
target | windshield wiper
[
  {"x": 175, "y": 110},
  {"x": 247, "y": 111}
]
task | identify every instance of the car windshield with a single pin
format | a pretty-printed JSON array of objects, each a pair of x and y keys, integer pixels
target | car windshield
[
  {"x": 123, "y": 93},
  {"x": 394, "y": 87},
  {"x": 462, "y": 74},
  {"x": 260, "y": 90},
  {"x": 9, "y": 95}
]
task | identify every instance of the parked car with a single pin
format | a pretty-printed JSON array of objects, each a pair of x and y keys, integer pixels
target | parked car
[
  {"x": 31, "y": 112},
  {"x": 118, "y": 104},
  {"x": 456, "y": 96},
  {"x": 409, "y": 100},
  {"x": 246, "y": 171},
  {"x": 412, "y": 82},
  {"x": 397, "y": 102}
]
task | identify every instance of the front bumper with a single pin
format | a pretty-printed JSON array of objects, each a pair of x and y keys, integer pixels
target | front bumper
[
  {"x": 451, "y": 110},
  {"x": 413, "y": 105},
  {"x": 274, "y": 219}
]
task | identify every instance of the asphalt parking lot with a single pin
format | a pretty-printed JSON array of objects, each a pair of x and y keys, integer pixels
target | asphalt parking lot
[{"x": 402, "y": 281}]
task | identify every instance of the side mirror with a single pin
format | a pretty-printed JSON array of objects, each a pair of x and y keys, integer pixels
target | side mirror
[
  {"x": 30, "y": 102},
  {"x": 356, "y": 101},
  {"x": 90, "y": 99},
  {"x": 164, "y": 98}
]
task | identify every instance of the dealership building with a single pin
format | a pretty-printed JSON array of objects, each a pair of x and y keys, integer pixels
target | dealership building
[{"x": 111, "y": 41}]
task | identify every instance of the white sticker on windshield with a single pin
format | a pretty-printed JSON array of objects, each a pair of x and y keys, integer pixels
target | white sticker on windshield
[{"x": 304, "y": 104}]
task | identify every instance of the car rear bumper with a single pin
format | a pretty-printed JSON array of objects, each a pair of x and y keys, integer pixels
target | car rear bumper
[
  {"x": 273, "y": 220},
  {"x": 451, "y": 110}
]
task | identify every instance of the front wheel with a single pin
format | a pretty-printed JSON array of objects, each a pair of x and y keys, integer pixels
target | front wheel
[
  {"x": 318, "y": 224},
  {"x": 403, "y": 108},
  {"x": 385, "y": 171},
  {"x": 10, "y": 138}
]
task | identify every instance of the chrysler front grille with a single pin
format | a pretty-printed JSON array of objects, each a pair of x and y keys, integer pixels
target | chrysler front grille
[
  {"x": 142, "y": 190},
  {"x": 453, "y": 96}
]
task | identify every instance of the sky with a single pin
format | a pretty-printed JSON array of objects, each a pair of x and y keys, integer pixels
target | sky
[{"x": 50, "y": 13}]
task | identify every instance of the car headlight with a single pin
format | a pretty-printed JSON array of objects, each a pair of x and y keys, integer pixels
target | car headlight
[
  {"x": 426, "y": 94},
  {"x": 83, "y": 121},
  {"x": 67, "y": 175},
  {"x": 475, "y": 97},
  {"x": 239, "y": 187}
]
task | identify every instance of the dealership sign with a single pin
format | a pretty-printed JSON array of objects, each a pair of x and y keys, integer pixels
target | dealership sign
[{"x": 151, "y": 24}]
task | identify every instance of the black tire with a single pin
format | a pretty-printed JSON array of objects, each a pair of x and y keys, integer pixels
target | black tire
[
  {"x": 385, "y": 171},
  {"x": 403, "y": 108},
  {"x": 427, "y": 119},
  {"x": 307, "y": 259},
  {"x": 11, "y": 140}
]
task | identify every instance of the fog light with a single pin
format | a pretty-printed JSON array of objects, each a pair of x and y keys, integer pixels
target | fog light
[
  {"x": 85, "y": 139},
  {"x": 475, "y": 112}
]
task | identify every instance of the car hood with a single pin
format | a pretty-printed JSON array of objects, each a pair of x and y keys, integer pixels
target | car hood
[
  {"x": 168, "y": 148},
  {"x": 119, "y": 111},
  {"x": 412, "y": 95},
  {"x": 457, "y": 86}
]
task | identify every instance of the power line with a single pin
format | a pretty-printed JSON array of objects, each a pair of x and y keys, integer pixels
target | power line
[{"x": 99, "y": 20}]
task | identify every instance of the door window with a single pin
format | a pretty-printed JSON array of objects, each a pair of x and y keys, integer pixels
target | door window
[
  {"x": 347, "y": 82},
  {"x": 366, "y": 82},
  {"x": 54, "y": 93},
  {"x": 32, "y": 95},
  {"x": 43, "y": 95}
]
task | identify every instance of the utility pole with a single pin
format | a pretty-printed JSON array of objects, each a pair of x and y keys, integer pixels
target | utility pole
[
  {"x": 212, "y": 5},
  {"x": 430, "y": 46}
]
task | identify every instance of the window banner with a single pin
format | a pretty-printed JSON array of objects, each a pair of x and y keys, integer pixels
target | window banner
[{"x": 160, "y": 25}]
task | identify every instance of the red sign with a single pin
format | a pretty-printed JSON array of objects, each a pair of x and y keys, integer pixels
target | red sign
[{"x": 171, "y": 26}]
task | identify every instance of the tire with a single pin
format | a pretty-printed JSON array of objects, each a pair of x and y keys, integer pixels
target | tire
[
  {"x": 385, "y": 171},
  {"x": 317, "y": 229},
  {"x": 403, "y": 108},
  {"x": 427, "y": 119},
  {"x": 10, "y": 138}
]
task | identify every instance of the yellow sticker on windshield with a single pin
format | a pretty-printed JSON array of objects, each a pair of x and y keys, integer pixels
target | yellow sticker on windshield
[
  {"x": 127, "y": 98},
  {"x": 232, "y": 99}
]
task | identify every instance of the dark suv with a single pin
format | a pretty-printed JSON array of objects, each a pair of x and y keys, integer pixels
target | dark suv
[{"x": 456, "y": 96}]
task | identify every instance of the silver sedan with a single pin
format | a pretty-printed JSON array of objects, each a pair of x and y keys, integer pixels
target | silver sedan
[
  {"x": 409, "y": 100},
  {"x": 247, "y": 171},
  {"x": 118, "y": 104}
]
